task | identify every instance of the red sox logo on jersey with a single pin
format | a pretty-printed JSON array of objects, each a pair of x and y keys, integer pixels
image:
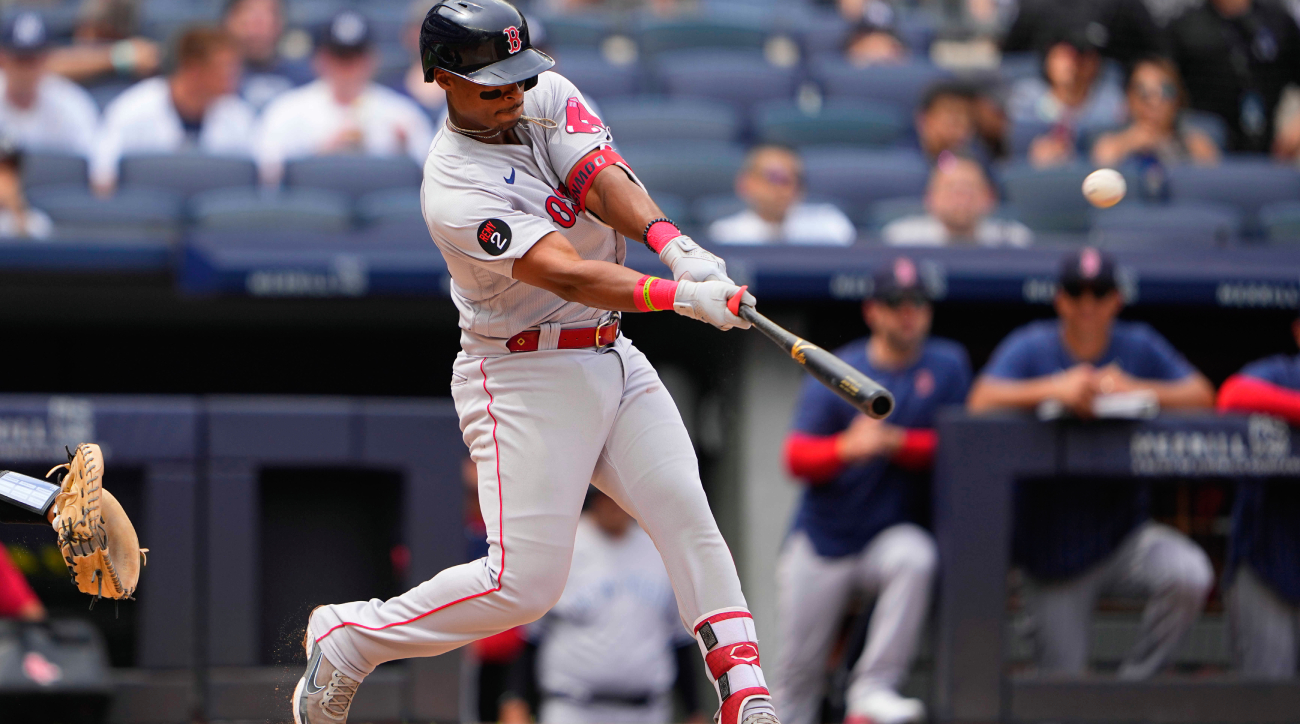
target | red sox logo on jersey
[
  {"x": 577, "y": 119},
  {"x": 512, "y": 35}
]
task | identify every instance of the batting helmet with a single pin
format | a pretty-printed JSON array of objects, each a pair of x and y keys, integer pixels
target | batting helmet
[{"x": 482, "y": 41}]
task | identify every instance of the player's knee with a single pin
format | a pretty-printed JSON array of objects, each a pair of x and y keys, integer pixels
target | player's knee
[
  {"x": 913, "y": 554},
  {"x": 1193, "y": 579},
  {"x": 534, "y": 595}
]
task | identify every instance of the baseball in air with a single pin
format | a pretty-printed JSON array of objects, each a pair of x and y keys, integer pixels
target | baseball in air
[{"x": 1104, "y": 188}]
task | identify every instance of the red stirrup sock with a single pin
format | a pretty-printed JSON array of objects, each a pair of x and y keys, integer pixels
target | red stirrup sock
[{"x": 730, "y": 647}]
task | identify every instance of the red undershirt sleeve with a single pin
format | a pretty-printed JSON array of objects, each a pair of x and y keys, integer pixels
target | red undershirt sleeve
[
  {"x": 812, "y": 458},
  {"x": 14, "y": 591},
  {"x": 1242, "y": 393},
  {"x": 917, "y": 452}
]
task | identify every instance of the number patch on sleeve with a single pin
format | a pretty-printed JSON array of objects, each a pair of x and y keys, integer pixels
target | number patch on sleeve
[
  {"x": 577, "y": 119},
  {"x": 561, "y": 212}
]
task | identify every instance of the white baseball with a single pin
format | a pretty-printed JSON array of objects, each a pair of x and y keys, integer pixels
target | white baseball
[{"x": 1104, "y": 188}]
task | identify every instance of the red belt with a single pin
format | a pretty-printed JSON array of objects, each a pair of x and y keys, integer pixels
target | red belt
[{"x": 601, "y": 335}]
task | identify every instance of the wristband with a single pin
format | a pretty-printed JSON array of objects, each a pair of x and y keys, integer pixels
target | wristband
[
  {"x": 653, "y": 294},
  {"x": 658, "y": 233},
  {"x": 122, "y": 55}
]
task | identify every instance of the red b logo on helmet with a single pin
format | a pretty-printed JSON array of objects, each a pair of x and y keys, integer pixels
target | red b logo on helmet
[{"x": 512, "y": 35}]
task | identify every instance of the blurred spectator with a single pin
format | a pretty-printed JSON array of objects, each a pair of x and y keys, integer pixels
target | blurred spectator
[
  {"x": 1078, "y": 540},
  {"x": 874, "y": 38},
  {"x": 946, "y": 120},
  {"x": 958, "y": 199},
  {"x": 194, "y": 108},
  {"x": 343, "y": 111},
  {"x": 1236, "y": 57},
  {"x": 858, "y": 527},
  {"x": 1263, "y": 595},
  {"x": 1072, "y": 94},
  {"x": 17, "y": 600},
  {"x": 771, "y": 184},
  {"x": 1120, "y": 29},
  {"x": 409, "y": 81},
  {"x": 107, "y": 45},
  {"x": 17, "y": 219},
  {"x": 40, "y": 110},
  {"x": 1155, "y": 99},
  {"x": 257, "y": 26},
  {"x": 613, "y": 648}
]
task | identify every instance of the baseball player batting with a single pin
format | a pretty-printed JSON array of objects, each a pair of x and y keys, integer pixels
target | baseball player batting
[{"x": 529, "y": 204}]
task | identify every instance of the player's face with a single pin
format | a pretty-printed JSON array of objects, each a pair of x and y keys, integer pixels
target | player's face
[
  {"x": 477, "y": 106},
  {"x": 903, "y": 323},
  {"x": 773, "y": 184},
  {"x": 1087, "y": 310},
  {"x": 219, "y": 76}
]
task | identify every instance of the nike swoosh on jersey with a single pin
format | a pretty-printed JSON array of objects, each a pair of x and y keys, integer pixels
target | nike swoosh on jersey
[{"x": 511, "y": 180}]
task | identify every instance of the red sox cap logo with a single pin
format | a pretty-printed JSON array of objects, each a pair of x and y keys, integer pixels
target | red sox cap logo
[
  {"x": 512, "y": 35},
  {"x": 744, "y": 652}
]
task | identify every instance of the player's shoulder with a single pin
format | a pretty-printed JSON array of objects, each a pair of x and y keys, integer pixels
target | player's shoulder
[
  {"x": 1279, "y": 369},
  {"x": 1136, "y": 333},
  {"x": 143, "y": 98},
  {"x": 946, "y": 353},
  {"x": 1036, "y": 333},
  {"x": 854, "y": 353},
  {"x": 65, "y": 91},
  {"x": 231, "y": 107}
]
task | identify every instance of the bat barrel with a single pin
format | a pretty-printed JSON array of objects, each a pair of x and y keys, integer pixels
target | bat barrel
[{"x": 881, "y": 404}]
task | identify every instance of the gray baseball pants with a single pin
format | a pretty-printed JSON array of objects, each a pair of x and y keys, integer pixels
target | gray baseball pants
[
  {"x": 897, "y": 567},
  {"x": 1154, "y": 561},
  {"x": 1264, "y": 627}
]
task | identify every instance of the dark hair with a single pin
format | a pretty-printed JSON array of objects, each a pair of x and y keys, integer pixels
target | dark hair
[
  {"x": 198, "y": 44},
  {"x": 946, "y": 89}
]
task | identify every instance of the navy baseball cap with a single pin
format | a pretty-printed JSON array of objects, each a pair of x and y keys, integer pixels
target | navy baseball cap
[
  {"x": 1088, "y": 268},
  {"x": 347, "y": 33},
  {"x": 899, "y": 281},
  {"x": 25, "y": 33}
]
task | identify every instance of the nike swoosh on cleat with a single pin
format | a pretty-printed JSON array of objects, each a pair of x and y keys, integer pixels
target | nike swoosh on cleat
[
  {"x": 312, "y": 688},
  {"x": 511, "y": 180}
]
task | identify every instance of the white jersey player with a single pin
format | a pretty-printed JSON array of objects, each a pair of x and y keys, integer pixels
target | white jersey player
[{"x": 529, "y": 203}]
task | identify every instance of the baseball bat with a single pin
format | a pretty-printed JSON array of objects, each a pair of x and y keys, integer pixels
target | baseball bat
[{"x": 856, "y": 388}]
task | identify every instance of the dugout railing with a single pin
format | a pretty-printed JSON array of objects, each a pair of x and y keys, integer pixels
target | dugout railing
[{"x": 978, "y": 463}]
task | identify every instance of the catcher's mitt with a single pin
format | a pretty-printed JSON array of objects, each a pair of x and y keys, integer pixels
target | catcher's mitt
[{"x": 97, "y": 539}]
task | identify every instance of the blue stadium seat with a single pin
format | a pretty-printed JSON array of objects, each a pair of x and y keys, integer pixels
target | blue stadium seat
[
  {"x": 641, "y": 120},
  {"x": 1018, "y": 66},
  {"x": 1048, "y": 200},
  {"x": 286, "y": 209},
  {"x": 1281, "y": 222},
  {"x": 836, "y": 123},
  {"x": 162, "y": 20},
  {"x": 1247, "y": 183},
  {"x": 130, "y": 215},
  {"x": 886, "y": 210},
  {"x": 593, "y": 75},
  {"x": 390, "y": 205},
  {"x": 690, "y": 170},
  {"x": 575, "y": 30},
  {"x": 712, "y": 208},
  {"x": 857, "y": 178},
  {"x": 1021, "y": 135},
  {"x": 312, "y": 14},
  {"x": 657, "y": 36},
  {"x": 821, "y": 31},
  {"x": 899, "y": 85},
  {"x": 186, "y": 173},
  {"x": 742, "y": 78},
  {"x": 46, "y": 168},
  {"x": 676, "y": 208},
  {"x": 1174, "y": 226},
  {"x": 353, "y": 176}
]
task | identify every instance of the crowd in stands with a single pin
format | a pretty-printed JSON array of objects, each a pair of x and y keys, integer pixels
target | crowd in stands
[{"x": 868, "y": 98}]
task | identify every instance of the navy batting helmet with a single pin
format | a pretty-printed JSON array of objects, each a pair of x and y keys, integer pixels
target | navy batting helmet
[{"x": 482, "y": 41}]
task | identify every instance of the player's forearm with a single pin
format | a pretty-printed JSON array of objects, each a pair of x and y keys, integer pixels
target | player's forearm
[
  {"x": 1191, "y": 392},
  {"x": 622, "y": 203},
  {"x": 992, "y": 394},
  {"x": 553, "y": 264},
  {"x": 1242, "y": 393}
]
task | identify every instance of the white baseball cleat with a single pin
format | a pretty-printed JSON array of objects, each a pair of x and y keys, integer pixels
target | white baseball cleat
[
  {"x": 324, "y": 694},
  {"x": 883, "y": 706}
]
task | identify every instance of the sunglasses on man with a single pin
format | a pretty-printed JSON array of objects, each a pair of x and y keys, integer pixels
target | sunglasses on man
[{"x": 1076, "y": 289}]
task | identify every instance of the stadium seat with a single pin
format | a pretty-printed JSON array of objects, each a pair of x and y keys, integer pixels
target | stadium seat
[
  {"x": 742, "y": 78},
  {"x": 574, "y": 31},
  {"x": 130, "y": 215},
  {"x": 46, "y": 168},
  {"x": 857, "y": 178},
  {"x": 596, "y": 77},
  {"x": 354, "y": 175},
  {"x": 886, "y": 210},
  {"x": 837, "y": 123},
  {"x": 1048, "y": 200},
  {"x": 186, "y": 173},
  {"x": 821, "y": 31},
  {"x": 389, "y": 205},
  {"x": 162, "y": 20},
  {"x": 642, "y": 120},
  {"x": 676, "y": 208},
  {"x": 899, "y": 85},
  {"x": 1021, "y": 135},
  {"x": 1174, "y": 226},
  {"x": 1247, "y": 183},
  {"x": 657, "y": 36},
  {"x": 1018, "y": 66},
  {"x": 1281, "y": 222},
  {"x": 712, "y": 208},
  {"x": 690, "y": 170},
  {"x": 311, "y": 14},
  {"x": 286, "y": 209}
]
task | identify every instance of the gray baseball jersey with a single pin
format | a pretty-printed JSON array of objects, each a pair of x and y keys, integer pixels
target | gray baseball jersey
[{"x": 487, "y": 204}]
